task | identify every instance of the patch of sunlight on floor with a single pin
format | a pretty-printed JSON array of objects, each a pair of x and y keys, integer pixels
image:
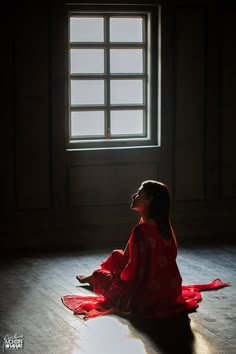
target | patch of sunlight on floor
[
  {"x": 108, "y": 335},
  {"x": 201, "y": 343}
]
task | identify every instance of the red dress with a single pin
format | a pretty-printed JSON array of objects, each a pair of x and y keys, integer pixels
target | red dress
[{"x": 144, "y": 279}]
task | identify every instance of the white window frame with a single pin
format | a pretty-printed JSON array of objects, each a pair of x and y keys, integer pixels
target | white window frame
[{"x": 150, "y": 77}]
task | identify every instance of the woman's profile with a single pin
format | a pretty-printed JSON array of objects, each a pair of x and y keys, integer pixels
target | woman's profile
[{"x": 144, "y": 278}]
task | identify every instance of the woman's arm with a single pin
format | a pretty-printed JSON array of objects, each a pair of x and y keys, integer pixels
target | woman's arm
[
  {"x": 132, "y": 273},
  {"x": 126, "y": 250}
]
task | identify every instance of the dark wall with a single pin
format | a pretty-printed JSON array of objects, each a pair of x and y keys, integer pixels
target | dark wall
[{"x": 53, "y": 198}]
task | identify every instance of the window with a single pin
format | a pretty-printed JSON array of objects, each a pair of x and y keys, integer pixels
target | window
[{"x": 112, "y": 77}]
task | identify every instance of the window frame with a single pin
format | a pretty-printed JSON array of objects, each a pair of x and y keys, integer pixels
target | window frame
[{"x": 151, "y": 75}]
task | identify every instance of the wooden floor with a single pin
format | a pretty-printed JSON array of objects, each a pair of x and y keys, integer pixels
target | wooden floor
[{"x": 32, "y": 286}]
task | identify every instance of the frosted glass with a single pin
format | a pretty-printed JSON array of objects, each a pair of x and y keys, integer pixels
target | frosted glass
[
  {"x": 87, "y": 92},
  {"x": 87, "y": 61},
  {"x": 126, "y": 91},
  {"x": 86, "y": 29},
  {"x": 126, "y": 29},
  {"x": 126, "y": 60},
  {"x": 87, "y": 123},
  {"x": 126, "y": 122}
]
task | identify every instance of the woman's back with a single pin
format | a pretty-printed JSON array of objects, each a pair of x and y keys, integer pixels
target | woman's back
[{"x": 158, "y": 278}]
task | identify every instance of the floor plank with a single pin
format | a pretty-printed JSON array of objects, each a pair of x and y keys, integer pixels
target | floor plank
[{"x": 30, "y": 298}]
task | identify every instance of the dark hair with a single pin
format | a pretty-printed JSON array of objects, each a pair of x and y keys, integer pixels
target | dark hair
[{"x": 159, "y": 208}]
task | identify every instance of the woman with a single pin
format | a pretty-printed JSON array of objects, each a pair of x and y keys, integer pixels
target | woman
[{"x": 144, "y": 278}]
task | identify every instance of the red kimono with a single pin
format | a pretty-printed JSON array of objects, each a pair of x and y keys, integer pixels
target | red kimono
[{"x": 144, "y": 279}]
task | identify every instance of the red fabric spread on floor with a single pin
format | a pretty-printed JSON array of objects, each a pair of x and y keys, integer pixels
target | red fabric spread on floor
[{"x": 144, "y": 278}]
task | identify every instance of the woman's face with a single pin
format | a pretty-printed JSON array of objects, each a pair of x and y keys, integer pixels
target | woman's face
[{"x": 139, "y": 200}]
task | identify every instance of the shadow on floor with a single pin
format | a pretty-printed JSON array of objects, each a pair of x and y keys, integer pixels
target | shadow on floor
[{"x": 170, "y": 336}]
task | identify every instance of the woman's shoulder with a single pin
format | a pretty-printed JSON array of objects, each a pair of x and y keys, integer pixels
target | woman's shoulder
[{"x": 145, "y": 227}]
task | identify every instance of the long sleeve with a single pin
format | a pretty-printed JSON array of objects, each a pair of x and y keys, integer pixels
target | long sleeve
[{"x": 133, "y": 272}]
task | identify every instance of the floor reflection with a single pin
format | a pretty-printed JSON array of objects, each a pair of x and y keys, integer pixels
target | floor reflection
[
  {"x": 202, "y": 343},
  {"x": 106, "y": 335},
  {"x": 117, "y": 335}
]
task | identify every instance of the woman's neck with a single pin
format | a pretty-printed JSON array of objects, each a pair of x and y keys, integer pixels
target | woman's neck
[{"x": 145, "y": 217}]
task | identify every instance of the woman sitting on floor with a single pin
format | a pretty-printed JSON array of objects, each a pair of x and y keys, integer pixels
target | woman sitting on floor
[{"x": 144, "y": 278}]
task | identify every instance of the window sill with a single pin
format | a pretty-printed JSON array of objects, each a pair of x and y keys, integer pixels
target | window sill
[{"x": 113, "y": 148}]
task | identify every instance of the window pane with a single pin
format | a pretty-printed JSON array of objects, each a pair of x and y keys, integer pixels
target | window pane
[
  {"x": 126, "y": 122},
  {"x": 87, "y": 123},
  {"x": 126, "y": 91},
  {"x": 87, "y": 92},
  {"x": 126, "y": 60},
  {"x": 126, "y": 29},
  {"x": 87, "y": 61},
  {"x": 86, "y": 29}
]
